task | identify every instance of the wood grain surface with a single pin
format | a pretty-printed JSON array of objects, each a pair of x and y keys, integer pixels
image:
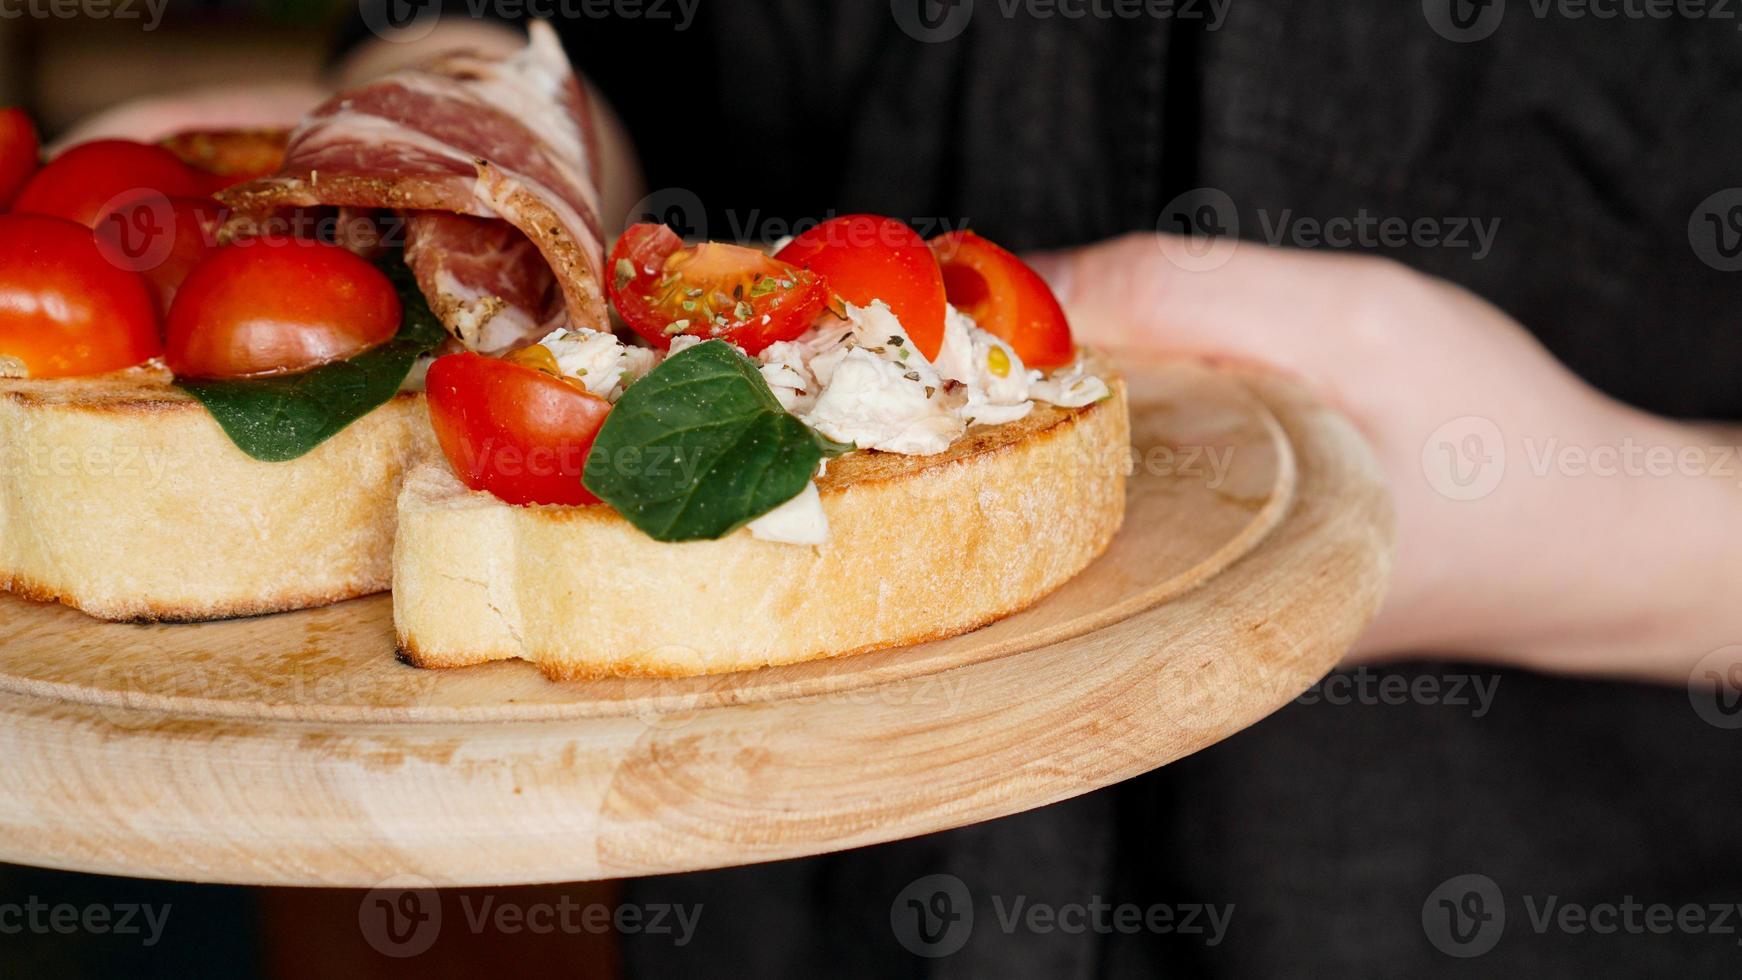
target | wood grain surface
[{"x": 295, "y": 749}]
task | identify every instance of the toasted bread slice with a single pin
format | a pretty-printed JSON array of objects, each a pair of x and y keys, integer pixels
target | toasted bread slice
[
  {"x": 920, "y": 547},
  {"x": 121, "y": 496}
]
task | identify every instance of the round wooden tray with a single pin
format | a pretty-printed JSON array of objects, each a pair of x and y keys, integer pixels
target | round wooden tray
[{"x": 295, "y": 749}]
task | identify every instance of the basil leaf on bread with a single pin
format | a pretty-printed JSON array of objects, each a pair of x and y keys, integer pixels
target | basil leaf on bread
[
  {"x": 700, "y": 447},
  {"x": 282, "y": 417}
]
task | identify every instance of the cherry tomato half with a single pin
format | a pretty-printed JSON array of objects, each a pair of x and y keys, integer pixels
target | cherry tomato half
[
  {"x": 162, "y": 238},
  {"x": 64, "y": 309},
  {"x": 90, "y": 178},
  {"x": 19, "y": 153},
  {"x": 863, "y": 257},
  {"x": 662, "y": 288},
  {"x": 513, "y": 430},
  {"x": 1005, "y": 297},
  {"x": 275, "y": 305}
]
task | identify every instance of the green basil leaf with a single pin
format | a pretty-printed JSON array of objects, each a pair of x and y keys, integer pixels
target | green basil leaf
[
  {"x": 282, "y": 417},
  {"x": 700, "y": 447}
]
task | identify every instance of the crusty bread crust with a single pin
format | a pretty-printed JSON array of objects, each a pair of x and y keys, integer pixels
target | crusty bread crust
[
  {"x": 919, "y": 548},
  {"x": 122, "y": 497}
]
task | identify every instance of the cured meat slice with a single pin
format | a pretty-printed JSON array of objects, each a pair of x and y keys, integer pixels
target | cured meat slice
[
  {"x": 483, "y": 278},
  {"x": 503, "y": 140}
]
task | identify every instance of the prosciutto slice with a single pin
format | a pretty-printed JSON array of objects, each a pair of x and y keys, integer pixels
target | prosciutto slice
[
  {"x": 484, "y": 278},
  {"x": 491, "y": 164}
]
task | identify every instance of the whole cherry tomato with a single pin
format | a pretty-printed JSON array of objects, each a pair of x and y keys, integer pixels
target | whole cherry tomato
[
  {"x": 1005, "y": 297},
  {"x": 162, "y": 238},
  {"x": 513, "y": 430},
  {"x": 863, "y": 257},
  {"x": 19, "y": 153},
  {"x": 275, "y": 305},
  {"x": 662, "y": 289},
  {"x": 65, "y": 310},
  {"x": 85, "y": 181}
]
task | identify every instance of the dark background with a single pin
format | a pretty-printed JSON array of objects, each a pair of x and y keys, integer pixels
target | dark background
[{"x": 64, "y": 69}]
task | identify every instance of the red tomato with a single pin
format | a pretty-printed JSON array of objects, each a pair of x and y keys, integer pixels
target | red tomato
[
  {"x": 162, "y": 238},
  {"x": 90, "y": 178},
  {"x": 274, "y": 305},
  {"x": 662, "y": 289},
  {"x": 864, "y": 257},
  {"x": 512, "y": 430},
  {"x": 19, "y": 153},
  {"x": 64, "y": 309},
  {"x": 1005, "y": 297}
]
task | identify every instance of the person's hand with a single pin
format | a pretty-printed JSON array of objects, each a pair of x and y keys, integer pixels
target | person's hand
[
  {"x": 250, "y": 105},
  {"x": 152, "y": 118},
  {"x": 1551, "y": 566}
]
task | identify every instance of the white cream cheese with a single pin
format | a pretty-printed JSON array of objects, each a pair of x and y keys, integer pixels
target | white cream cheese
[
  {"x": 416, "y": 377},
  {"x": 995, "y": 385},
  {"x": 601, "y": 362},
  {"x": 862, "y": 381},
  {"x": 874, "y": 403},
  {"x": 859, "y": 381},
  {"x": 798, "y": 521},
  {"x": 1069, "y": 388}
]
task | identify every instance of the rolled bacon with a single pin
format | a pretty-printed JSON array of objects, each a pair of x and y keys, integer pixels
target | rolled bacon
[{"x": 490, "y": 162}]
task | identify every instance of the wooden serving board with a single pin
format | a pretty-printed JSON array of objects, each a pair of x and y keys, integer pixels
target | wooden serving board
[{"x": 296, "y": 749}]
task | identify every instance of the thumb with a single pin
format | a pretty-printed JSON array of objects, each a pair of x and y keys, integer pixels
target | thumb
[
  {"x": 1233, "y": 301},
  {"x": 1105, "y": 288},
  {"x": 1055, "y": 268},
  {"x": 1142, "y": 292}
]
